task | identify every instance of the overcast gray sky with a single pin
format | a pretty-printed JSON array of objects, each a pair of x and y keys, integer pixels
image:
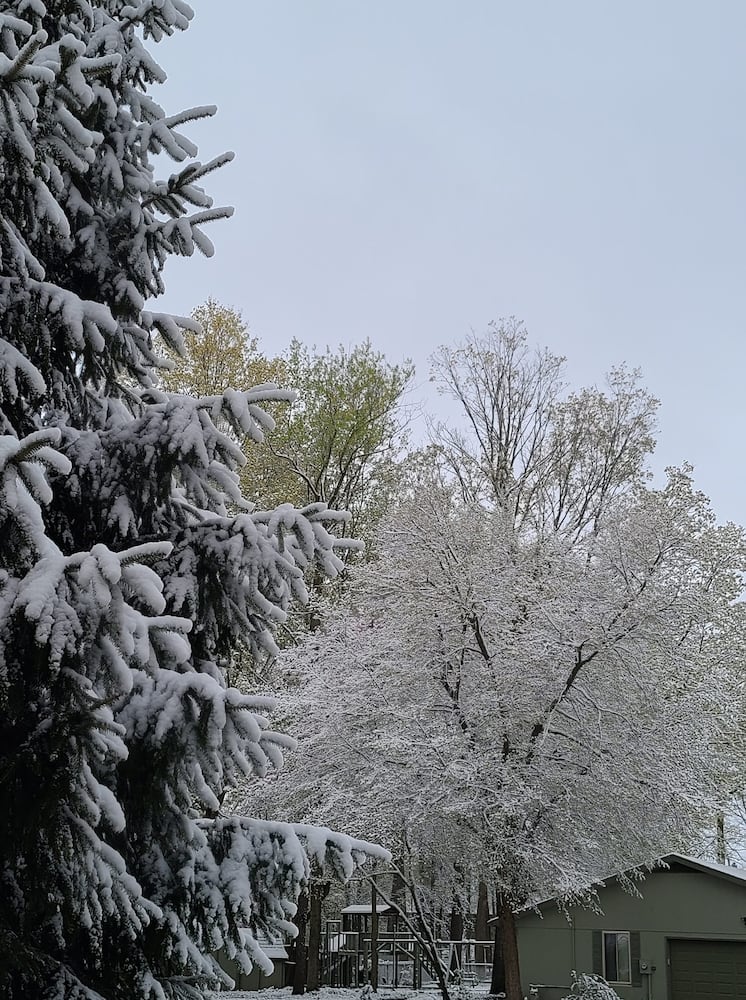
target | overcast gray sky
[{"x": 408, "y": 170}]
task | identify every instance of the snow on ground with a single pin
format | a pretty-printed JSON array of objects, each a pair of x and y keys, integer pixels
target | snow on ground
[
  {"x": 325, "y": 993},
  {"x": 334, "y": 993}
]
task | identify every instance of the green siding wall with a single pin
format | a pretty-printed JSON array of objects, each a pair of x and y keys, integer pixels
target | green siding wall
[{"x": 674, "y": 904}]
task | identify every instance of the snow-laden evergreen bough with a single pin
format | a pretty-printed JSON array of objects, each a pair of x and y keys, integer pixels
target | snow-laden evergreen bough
[{"x": 130, "y": 566}]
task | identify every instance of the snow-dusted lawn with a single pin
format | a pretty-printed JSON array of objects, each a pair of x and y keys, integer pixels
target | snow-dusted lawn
[
  {"x": 325, "y": 993},
  {"x": 334, "y": 993}
]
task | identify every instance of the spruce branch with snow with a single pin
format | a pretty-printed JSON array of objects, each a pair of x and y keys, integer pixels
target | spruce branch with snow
[{"x": 131, "y": 564}]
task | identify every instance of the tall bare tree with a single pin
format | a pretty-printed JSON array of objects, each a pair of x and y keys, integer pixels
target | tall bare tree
[{"x": 553, "y": 461}]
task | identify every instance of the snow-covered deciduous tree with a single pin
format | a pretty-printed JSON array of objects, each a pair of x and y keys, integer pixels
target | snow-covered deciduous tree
[
  {"x": 129, "y": 562},
  {"x": 533, "y": 681}
]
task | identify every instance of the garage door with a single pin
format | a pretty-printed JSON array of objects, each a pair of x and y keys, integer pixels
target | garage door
[{"x": 708, "y": 970}]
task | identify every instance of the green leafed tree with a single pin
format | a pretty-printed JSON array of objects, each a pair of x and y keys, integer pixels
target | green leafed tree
[
  {"x": 338, "y": 435},
  {"x": 339, "y": 440},
  {"x": 219, "y": 354}
]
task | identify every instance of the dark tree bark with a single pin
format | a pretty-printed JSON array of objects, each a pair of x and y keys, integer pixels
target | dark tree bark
[
  {"x": 456, "y": 933},
  {"x": 721, "y": 852},
  {"x": 319, "y": 892},
  {"x": 482, "y": 924},
  {"x": 373, "y": 937},
  {"x": 497, "y": 983},
  {"x": 399, "y": 889},
  {"x": 506, "y": 971},
  {"x": 301, "y": 922}
]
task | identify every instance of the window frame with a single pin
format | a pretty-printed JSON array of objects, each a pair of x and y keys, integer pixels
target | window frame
[{"x": 617, "y": 934}]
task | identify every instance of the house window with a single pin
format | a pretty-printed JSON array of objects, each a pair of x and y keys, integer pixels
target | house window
[{"x": 617, "y": 966}]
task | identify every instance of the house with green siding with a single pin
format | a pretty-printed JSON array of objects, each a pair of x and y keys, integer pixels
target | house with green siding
[{"x": 682, "y": 938}]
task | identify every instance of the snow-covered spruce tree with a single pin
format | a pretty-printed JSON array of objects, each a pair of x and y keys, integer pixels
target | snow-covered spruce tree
[{"x": 129, "y": 563}]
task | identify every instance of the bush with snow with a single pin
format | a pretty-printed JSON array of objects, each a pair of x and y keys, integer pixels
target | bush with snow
[{"x": 590, "y": 987}]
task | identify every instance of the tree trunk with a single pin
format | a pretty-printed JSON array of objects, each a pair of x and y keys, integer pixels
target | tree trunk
[
  {"x": 497, "y": 983},
  {"x": 721, "y": 852},
  {"x": 456, "y": 933},
  {"x": 506, "y": 972},
  {"x": 399, "y": 889},
  {"x": 313, "y": 615},
  {"x": 319, "y": 892},
  {"x": 373, "y": 937},
  {"x": 300, "y": 921},
  {"x": 482, "y": 924}
]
